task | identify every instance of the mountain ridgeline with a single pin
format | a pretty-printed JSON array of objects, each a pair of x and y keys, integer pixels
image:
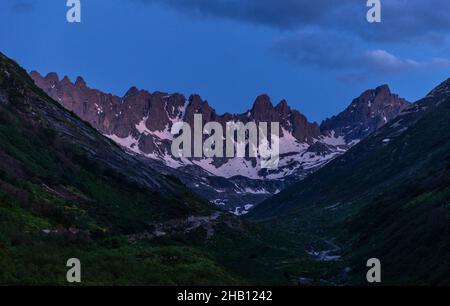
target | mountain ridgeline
[
  {"x": 388, "y": 197},
  {"x": 141, "y": 122}
]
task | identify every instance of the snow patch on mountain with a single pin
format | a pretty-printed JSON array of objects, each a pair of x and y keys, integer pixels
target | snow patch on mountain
[{"x": 129, "y": 143}]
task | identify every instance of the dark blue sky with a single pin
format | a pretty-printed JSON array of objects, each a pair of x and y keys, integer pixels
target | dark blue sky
[{"x": 317, "y": 55}]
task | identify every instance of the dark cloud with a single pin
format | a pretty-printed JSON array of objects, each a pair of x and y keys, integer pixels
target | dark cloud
[
  {"x": 274, "y": 13},
  {"x": 402, "y": 20},
  {"x": 330, "y": 50},
  {"x": 335, "y": 35},
  {"x": 338, "y": 51}
]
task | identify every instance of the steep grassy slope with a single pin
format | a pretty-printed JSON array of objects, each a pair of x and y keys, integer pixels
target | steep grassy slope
[
  {"x": 388, "y": 197},
  {"x": 66, "y": 191}
]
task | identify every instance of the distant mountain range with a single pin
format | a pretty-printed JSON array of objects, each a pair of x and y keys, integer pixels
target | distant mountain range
[{"x": 141, "y": 122}]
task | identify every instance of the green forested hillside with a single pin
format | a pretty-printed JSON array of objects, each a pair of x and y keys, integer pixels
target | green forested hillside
[
  {"x": 66, "y": 191},
  {"x": 388, "y": 197}
]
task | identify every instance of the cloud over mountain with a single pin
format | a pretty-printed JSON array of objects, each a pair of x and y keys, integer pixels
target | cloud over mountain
[
  {"x": 334, "y": 34},
  {"x": 337, "y": 51},
  {"x": 400, "y": 18}
]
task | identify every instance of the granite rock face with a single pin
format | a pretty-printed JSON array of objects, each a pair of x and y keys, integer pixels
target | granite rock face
[
  {"x": 141, "y": 122},
  {"x": 367, "y": 113}
]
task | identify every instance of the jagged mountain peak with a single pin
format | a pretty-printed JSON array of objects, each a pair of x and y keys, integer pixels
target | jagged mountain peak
[
  {"x": 66, "y": 80},
  {"x": 132, "y": 91},
  {"x": 381, "y": 96},
  {"x": 141, "y": 121},
  {"x": 383, "y": 89},
  {"x": 370, "y": 111},
  {"x": 51, "y": 77},
  {"x": 282, "y": 107},
  {"x": 196, "y": 101},
  {"x": 80, "y": 82},
  {"x": 443, "y": 88},
  {"x": 262, "y": 103},
  {"x": 196, "y": 105}
]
